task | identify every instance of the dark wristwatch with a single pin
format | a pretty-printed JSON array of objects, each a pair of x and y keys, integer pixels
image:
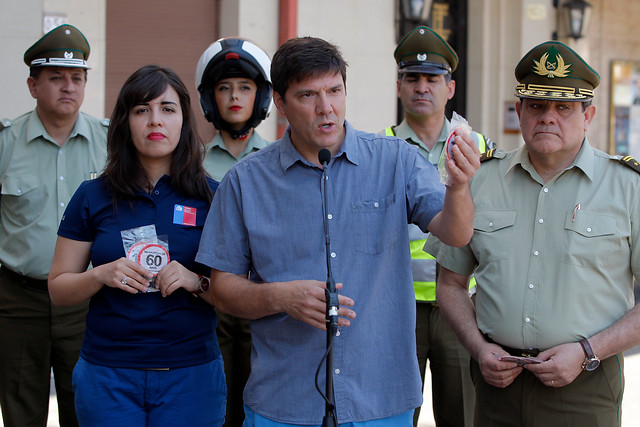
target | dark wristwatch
[
  {"x": 203, "y": 284},
  {"x": 591, "y": 361}
]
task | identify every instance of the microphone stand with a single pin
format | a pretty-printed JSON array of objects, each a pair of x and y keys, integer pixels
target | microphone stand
[{"x": 331, "y": 296}]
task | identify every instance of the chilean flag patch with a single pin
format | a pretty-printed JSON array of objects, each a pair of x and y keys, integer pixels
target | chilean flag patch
[{"x": 184, "y": 215}]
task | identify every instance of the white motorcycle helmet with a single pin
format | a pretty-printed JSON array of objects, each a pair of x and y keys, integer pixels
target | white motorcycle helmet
[{"x": 234, "y": 57}]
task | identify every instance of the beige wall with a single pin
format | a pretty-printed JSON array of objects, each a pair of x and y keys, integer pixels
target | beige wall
[
  {"x": 21, "y": 24},
  {"x": 254, "y": 21},
  {"x": 354, "y": 26},
  {"x": 367, "y": 45},
  {"x": 20, "y": 27},
  {"x": 614, "y": 34},
  {"x": 500, "y": 32},
  {"x": 517, "y": 26}
]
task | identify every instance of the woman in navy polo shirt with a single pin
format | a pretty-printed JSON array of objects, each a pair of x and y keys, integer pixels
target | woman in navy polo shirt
[{"x": 149, "y": 355}]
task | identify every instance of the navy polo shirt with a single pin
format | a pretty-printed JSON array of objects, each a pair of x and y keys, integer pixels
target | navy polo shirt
[{"x": 143, "y": 330}]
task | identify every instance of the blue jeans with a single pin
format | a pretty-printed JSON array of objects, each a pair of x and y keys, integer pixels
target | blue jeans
[
  {"x": 251, "y": 419},
  {"x": 189, "y": 397}
]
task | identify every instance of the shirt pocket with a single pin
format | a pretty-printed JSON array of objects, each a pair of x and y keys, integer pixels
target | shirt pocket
[
  {"x": 492, "y": 230},
  {"x": 589, "y": 238},
  {"x": 373, "y": 225},
  {"x": 23, "y": 198}
]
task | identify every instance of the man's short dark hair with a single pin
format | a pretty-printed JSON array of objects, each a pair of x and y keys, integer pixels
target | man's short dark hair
[{"x": 303, "y": 57}]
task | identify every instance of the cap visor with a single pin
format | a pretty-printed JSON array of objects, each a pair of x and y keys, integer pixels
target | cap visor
[{"x": 424, "y": 69}]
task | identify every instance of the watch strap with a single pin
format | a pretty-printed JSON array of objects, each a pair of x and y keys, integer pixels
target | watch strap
[{"x": 586, "y": 347}]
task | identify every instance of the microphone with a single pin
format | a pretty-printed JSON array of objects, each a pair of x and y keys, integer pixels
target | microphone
[
  {"x": 331, "y": 296},
  {"x": 324, "y": 156}
]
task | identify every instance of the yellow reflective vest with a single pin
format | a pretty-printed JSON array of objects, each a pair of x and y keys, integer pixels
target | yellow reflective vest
[{"x": 423, "y": 264}]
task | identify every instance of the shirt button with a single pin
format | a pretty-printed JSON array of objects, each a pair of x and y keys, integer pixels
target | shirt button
[
  {"x": 329, "y": 216},
  {"x": 530, "y": 285},
  {"x": 528, "y": 320},
  {"x": 19, "y": 191},
  {"x": 546, "y": 190},
  {"x": 61, "y": 204},
  {"x": 490, "y": 224},
  {"x": 333, "y": 254},
  {"x": 156, "y": 192},
  {"x": 337, "y": 371},
  {"x": 535, "y": 253},
  {"x": 541, "y": 220},
  {"x": 338, "y": 333},
  {"x": 376, "y": 204},
  {"x": 589, "y": 229}
]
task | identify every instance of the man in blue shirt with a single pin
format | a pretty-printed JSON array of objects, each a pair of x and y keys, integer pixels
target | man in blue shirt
[{"x": 267, "y": 221}]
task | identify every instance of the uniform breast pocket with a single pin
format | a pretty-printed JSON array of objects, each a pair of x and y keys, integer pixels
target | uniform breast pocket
[
  {"x": 373, "y": 226},
  {"x": 23, "y": 199},
  {"x": 493, "y": 231},
  {"x": 590, "y": 239}
]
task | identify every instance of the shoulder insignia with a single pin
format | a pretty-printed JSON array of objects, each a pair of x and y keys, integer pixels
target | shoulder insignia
[
  {"x": 105, "y": 122},
  {"x": 630, "y": 162},
  {"x": 4, "y": 123},
  {"x": 494, "y": 153},
  {"x": 487, "y": 155}
]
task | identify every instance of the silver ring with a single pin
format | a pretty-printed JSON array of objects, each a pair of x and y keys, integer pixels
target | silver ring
[
  {"x": 124, "y": 281},
  {"x": 552, "y": 383}
]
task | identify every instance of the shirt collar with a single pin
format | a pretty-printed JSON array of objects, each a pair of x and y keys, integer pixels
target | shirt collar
[
  {"x": 404, "y": 129},
  {"x": 289, "y": 155},
  {"x": 584, "y": 160},
  {"x": 35, "y": 128},
  {"x": 255, "y": 143}
]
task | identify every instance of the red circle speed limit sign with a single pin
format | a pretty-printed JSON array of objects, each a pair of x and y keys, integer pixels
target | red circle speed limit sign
[{"x": 153, "y": 257}]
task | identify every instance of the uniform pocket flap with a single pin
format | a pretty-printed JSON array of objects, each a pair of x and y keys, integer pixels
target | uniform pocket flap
[
  {"x": 590, "y": 224},
  {"x": 493, "y": 220},
  {"x": 17, "y": 185}
]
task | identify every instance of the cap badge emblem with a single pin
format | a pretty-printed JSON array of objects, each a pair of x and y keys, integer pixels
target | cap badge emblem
[
  {"x": 68, "y": 55},
  {"x": 544, "y": 67},
  {"x": 422, "y": 57}
]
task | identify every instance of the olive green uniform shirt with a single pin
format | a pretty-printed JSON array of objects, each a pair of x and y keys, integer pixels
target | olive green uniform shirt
[
  {"x": 218, "y": 160},
  {"x": 554, "y": 261},
  {"x": 37, "y": 179},
  {"x": 404, "y": 131}
]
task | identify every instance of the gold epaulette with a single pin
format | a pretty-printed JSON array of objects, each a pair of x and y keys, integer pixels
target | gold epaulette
[
  {"x": 630, "y": 162},
  {"x": 487, "y": 155}
]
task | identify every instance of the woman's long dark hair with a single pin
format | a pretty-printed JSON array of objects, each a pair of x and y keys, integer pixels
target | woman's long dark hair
[{"x": 124, "y": 173}]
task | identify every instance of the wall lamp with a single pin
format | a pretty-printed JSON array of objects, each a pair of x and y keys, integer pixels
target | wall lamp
[
  {"x": 415, "y": 10},
  {"x": 575, "y": 16}
]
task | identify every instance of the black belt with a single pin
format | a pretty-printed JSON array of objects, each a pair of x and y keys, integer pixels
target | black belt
[
  {"x": 527, "y": 352},
  {"x": 27, "y": 282}
]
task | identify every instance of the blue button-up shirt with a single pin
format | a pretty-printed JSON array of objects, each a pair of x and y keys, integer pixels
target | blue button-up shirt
[{"x": 267, "y": 219}]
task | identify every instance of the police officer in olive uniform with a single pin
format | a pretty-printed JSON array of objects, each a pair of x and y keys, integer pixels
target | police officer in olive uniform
[
  {"x": 425, "y": 63},
  {"x": 555, "y": 249},
  {"x": 44, "y": 155}
]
